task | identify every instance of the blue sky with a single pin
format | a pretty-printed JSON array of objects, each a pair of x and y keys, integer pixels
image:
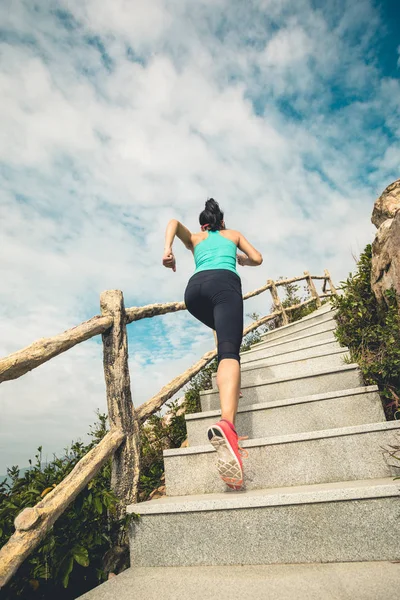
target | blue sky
[{"x": 117, "y": 116}]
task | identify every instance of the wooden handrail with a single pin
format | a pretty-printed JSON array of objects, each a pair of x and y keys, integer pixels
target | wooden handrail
[{"x": 17, "y": 364}]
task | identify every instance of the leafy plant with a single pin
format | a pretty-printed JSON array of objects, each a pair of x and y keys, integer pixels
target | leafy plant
[
  {"x": 371, "y": 332},
  {"x": 69, "y": 561},
  {"x": 156, "y": 436},
  {"x": 202, "y": 381}
]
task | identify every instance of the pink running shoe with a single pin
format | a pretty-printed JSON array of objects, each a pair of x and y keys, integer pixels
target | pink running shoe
[{"x": 224, "y": 439}]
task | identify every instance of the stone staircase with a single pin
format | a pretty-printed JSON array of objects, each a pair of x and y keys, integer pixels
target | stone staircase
[{"x": 318, "y": 488}]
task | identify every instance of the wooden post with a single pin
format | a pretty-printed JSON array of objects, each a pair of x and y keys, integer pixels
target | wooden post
[
  {"x": 121, "y": 412},
  {"x": 277, "y": 303},
  {"x": 328, "y": 278},
  {"x": 312, "y": 288}
]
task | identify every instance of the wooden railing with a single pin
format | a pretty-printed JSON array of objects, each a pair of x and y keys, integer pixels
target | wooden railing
[{"x": 122, "y": 442}]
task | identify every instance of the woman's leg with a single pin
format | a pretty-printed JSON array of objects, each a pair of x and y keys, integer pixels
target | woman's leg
[
  {"x": 218, "y": 303},
  {"x": 228, "y": 317},
  {"x": 224, "y": 372},
  {"x": 228, "y": 382}
]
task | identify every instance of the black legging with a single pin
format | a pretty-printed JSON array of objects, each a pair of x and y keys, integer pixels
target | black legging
[{"x": 215, "y": 298}]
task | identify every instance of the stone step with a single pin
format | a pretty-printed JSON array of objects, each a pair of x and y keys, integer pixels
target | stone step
[
  {"x": 335, "y": 522},
  {"x": 295, "y": 415},
  {"x": 283, "y": 335},
  {"x": 330, "y": 455},
  {"x": 318, "y": 316},
  {"x": 275, "y": 369},
  {"x": 315, "y": 581},
  {"x": 331, "y": 380},
  {"x": 305, "y": 341},
  {"x": 310, "y": 348}
]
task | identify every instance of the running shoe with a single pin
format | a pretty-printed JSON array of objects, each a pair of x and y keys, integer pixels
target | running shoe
[{"x": 224, "y": 439}]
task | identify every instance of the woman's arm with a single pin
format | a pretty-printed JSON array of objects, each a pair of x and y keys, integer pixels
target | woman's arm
[
  {"x": 253, "y": 258},
  {"x": 175, "y": 228}
]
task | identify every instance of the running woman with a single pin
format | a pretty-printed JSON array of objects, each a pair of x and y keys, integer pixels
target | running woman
[{"x": 214, "y": 296}]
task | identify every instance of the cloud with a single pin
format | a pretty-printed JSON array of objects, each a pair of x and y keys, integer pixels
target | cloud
[{"x": 116, "y": 117}]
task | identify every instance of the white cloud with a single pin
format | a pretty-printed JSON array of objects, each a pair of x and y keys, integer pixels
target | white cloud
[{"x": 288, "y": 47}]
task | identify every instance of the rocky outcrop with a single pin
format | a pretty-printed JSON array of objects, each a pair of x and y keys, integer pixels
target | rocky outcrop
[
  {"x": 387, "y": 205},
  {"x": 385, "y": 272}
]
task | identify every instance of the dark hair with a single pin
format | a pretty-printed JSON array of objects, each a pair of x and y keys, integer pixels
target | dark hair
[{"x": 212, "y": 215}]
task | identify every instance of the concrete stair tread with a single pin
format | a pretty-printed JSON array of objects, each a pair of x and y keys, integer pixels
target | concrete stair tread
[
  {"x": 335, "y": 369},
  {"x": 286, "y": 402},
  {"x": 294, "y": 437},
  {"x": 274, "y": 361},
  {"x": 318, "y": 346},
  {"x": 297, "y": 326},
  {"x": 315, "y": 581},
  {"x": 309, "y": 336},
  {"x": 302, "y": 494},
  {"x": 325, "y": 309}
]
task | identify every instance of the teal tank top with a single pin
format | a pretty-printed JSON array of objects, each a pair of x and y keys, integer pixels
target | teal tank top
[{"x": 215, "y": 252}]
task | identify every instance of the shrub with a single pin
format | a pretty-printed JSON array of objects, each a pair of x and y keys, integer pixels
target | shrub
[
  {"x": 371, "y": 332},
  {"x": 69, "y": 561}
]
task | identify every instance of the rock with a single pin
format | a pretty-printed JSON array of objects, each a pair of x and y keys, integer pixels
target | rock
[
  {"x": 158, "y": 493},
  {"x": 385, "y": 272},
  {"x": 387, "y": 205},
  {"x": 116, "y": 560}
]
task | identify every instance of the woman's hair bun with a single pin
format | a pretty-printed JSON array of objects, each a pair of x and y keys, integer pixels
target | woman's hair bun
[
  {"x": 212, "y": 215},
  {"x": 212, "y": 205}
]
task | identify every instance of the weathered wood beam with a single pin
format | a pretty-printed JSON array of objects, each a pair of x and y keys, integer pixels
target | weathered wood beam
[
  {"x": 312, "y": 289},
  {"x": 32, "y": 524},
  {"x": 291, "y": 280},
  {"x": 328, "y": 279},
  {"x": 277, "y": 303},
  {"x": 256, "y": 292},
  {"x": 19, "y": 363},
  {"x": 294, "y": 306},
  {"x": 152, "y": 310},
  {"x": 121, "y": 412},
  {"x": 145, "y": 410}
]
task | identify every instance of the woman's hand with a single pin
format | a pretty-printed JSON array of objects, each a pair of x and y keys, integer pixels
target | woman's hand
[
  {"x": 242, "y": 259},
  {"x": 169, "y": 259}
]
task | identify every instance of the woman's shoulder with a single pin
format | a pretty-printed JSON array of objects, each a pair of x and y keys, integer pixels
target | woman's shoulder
[{"x": 231, "y": 234}]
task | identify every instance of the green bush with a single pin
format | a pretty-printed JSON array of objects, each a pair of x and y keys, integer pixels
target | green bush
[
  {"x": 292, "y": 298},
  {"x": 202, "y": 381},
  {"x": 155, "y": 437},
  {"x": 371, "y": 332},
  {"x": 70, "y": 560}
]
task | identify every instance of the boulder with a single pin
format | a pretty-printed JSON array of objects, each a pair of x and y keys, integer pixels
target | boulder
[
  {"x": 387, "y": 205},
  {"x": 385, "y": 272}
]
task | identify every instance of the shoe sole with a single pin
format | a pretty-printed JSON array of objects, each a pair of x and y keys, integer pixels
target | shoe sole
[{"x": 228, "y": 465}]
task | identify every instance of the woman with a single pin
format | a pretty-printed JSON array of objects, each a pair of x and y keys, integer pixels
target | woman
[{"x": 214, "y": 296}]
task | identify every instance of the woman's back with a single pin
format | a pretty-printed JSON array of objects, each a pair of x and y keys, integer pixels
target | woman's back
[{"x": 215, "y": 251}]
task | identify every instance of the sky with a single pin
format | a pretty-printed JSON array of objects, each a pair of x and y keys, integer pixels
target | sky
[{"x": 117, "y": 116}]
